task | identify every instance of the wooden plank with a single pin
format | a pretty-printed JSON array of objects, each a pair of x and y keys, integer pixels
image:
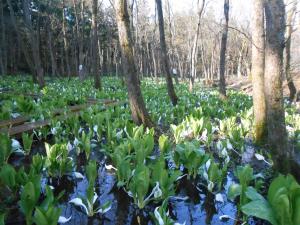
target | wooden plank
[
  {"x": 24, "y": 94},
  {"x": 28, "y": 127},
  {"x": 22, "y": 119},
  {"x": 13, "y": 122},
  {"x": 73, "y": 108},
  {"x": 104, "y": 101}
]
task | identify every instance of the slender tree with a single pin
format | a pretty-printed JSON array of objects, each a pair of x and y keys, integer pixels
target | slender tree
[
  {"x": 20, "y": 40},
  {"x": 277, "y": 135},
  {"x": 257, "y": 71},
  {"x": 138, "y": 109},
  {"x": 3, "y": 55},
  {"x": 66, "y": 46},
  {"x": 222, "y": 84},
  {"x": 289, "y": 28},
  {"x": 34, "y": 43},
  {"x": 95, "y": 56},
  {"x": 195, "y": 46},
  {"x": 163, "y": 46}
]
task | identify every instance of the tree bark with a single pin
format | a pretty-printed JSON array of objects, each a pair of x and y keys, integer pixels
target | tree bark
[
  {"x": 64, "y": 31},
  {"x": 51, "y": 50},
  {"x": 3, "y": 55},
  {"x": 20, "y": 41},
  {"x": 195, "y": 47},
  {"x": 165, "y": 59},
  {"x": 136, "y": 101},
  {"x": 34, "y": 43},
  {"x": 289, "y": 29},
  {"x": 222, "y": 83},
  {"x": 80, "y": 43},
  {"x": 277, "y": 135},
  {"x": 95, "y": 56},
  {"x": 79, "y": 38},
  {"x": 258, "y": 71}
]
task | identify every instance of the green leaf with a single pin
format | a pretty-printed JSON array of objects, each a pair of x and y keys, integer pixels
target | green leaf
[
  {"x": 164, "y": 144},
  {"x": 5, "y": 148},
  {"x": 253, "y": 195},
  {"x": 29, "y": 198},
  {"x": 234, "y": 191},
  {"x": 260, "y": 209},
  {"x": 39, "y": 217},
  {"x": 27, "y": 142},
  {"x": 245, "y": 174},
  {"x": 8, "y": 175},
  {"x": 140, "y": 183},
  {"x": 277, "y": 187},
  {"x": 296, "y": 206},
  {"x": 123, "y": 172},
  {"x": 2, "y": 217},
  {"x": 91, "y": 171}
]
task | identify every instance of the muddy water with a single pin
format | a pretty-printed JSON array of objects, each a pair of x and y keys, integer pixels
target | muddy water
[{"x": 200, "y": 207}]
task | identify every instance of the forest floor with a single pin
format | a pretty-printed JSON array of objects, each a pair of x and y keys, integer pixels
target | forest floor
[
  {"x": 98, "y": 167},
  {"x": 244, "y": 84}
]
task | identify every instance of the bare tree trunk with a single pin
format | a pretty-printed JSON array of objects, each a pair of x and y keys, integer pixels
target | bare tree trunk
[
  {"x": 240, "y": 62},
  {"x": 165, "y": 59},
  {"x": 79, "y": 41},
  {"x": 104, "y": 59},
  {"x": 258, "y": 71},
  {"x": 3, "y": 55},
  {"x": 277, "y": 135},
  {"x": 51, "y": 50},
  {"x": 222, "y": 84},
  {"x": 62, "y": 68},
  {"x": 289, "y": 29},
  {"x": 20, "y": 41},
  {"x": 138, "y": 109},
  {"x": 34, "y": 43},
  {"x": 66, "y": 51},
  {"x": 195, "y": 47},
  {"x": 81, "y": 37},
  {"x": 171, "y": 41},
  {"x": 95, "y": 56}
]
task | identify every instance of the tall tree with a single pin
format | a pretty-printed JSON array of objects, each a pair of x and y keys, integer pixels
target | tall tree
[
  {"x": 138, "y": 109},
  {"x": 165, "y": 58},
  {"x": 277, "y": 135},
  {"x": 257, "y": 71},
  {"x": 289, "y": 28},
  {"x": 79, "y": 27},
  {"x": 222, "y": 83},
  {"x": 66, "y": 45},
  {"x": 3, "y": 55},
  {"x": 95, "y": 55},
  {"x": 195, "y": 46},
  {"x": 19, "y": 39},
  {"x": 34, "y": 43},
  {"x": 51, "y": 42}
]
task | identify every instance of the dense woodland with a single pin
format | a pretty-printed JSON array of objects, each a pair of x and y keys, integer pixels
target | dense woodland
[
  {"x": 139, "y": 96},
  {"x": 63, "y": 31}
]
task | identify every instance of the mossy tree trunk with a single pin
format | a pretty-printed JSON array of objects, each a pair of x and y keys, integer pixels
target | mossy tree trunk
[
  {"x": 277, "y": 134},
  {"x": 289, "y": 29},
  {"x": 257, "y": 72},
  {"x": 136, "y": 101}
]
